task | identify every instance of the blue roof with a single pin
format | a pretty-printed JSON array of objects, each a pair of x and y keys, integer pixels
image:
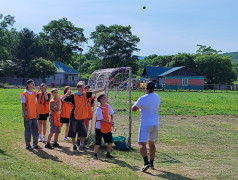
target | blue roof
[
  {"x": 63, "y": 68},
  {"x": 151, "y": 71},
  {"x": 155, "y": 71},
  {"x": 171, "y": 70}
]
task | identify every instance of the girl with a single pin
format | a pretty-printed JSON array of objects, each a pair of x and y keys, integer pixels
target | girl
[
  {"x": 65, "y": 111},
  {"x": 43, "y": 99}
]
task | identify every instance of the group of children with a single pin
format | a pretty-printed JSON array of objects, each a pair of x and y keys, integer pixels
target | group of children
[{"x": 72, "y": 109}]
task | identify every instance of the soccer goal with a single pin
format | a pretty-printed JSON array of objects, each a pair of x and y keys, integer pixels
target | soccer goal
[{"x": 118, "y": 91}]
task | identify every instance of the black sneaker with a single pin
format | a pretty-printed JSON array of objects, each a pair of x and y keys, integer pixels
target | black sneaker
[
  {"x": 29, "y": 148},
  {"x": 109, "y": 156},
  {"x": 36, "y": 147},
  {"x": 145, "y": 167},
  {"x": 48, "y": 146},
  {"x": 56, "y": 145},
  {"x": 75, "y": 148},
  {"x": 78, "y": 143},
  {"x": 95, "y": 157}
]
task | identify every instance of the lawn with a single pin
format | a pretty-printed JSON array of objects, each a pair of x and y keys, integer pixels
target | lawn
[{"x": 198, "y": 139}]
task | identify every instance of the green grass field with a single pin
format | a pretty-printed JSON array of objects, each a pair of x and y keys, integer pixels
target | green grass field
[{"x": 198, "y": 139}]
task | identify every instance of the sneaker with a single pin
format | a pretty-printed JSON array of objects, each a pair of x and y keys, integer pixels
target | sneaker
[
  {"x": 75, "y": 148},
  {"x": 56, "y": 145},
  {"x": 95, "y": 157},
  {"x": 36, "y": 147},
  {"x": 48, "y": 146},
  {"x": 78, "y": 143},
  {"x": 29, "y": 148},
  {"x": 43, "y": 139},
  {"x": 40, "y": 139},
  {"x": 145, "y": 167},
  {"x": 152, "y": 167},
  {"x": 109, "y": 156},
  {"x": 66, "y": 139}
]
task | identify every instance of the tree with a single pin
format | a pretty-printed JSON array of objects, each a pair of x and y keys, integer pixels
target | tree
[
  {"x": 206, "y": 50},
  {"x": 115, "y": 46},
  {"x": 216, "y": 68},
  {"x": 6, "y": 37},
  {"x": 41, "y": 68},
  {"x": 62, "y": 38},
  {"x": 183, "y": 59},
  {"x": 24, "y": 51}
]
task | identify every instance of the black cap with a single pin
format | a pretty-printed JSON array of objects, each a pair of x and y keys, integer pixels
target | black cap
[{"x": 29, "y": 81}]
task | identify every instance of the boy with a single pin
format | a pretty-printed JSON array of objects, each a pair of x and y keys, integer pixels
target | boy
[
  {"x": 30, "y": 115},
  {"x": 103, "y": 126},
  {"x": 79, "y": 113},
  {"x": 54, "y": 120}
]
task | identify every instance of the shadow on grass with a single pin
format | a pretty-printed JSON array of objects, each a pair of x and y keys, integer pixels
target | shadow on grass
[
  {"x": 3, "y": 153},
  {"x": 165, "y": 158},
  {"x": 44, "y": 155},
  {"x": 167, "y": 175}
]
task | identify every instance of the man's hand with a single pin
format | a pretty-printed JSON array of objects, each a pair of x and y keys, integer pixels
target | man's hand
[{"x": 112, "y": 123}]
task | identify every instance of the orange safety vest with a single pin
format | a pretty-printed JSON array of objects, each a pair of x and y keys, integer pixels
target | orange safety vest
[
  {"x": 65, "y": 109},
  {"x": 56, "y": 115},
  {"x": 42, "y": 104},
  {"x": 80, "y": 106},
  {"x": 90, "y": 112},
  {"x": 30, "y": 104},
  {"x": 105, "y": 127}
]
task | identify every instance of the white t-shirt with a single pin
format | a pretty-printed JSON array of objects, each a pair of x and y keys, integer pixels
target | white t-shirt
[
  {"x": 149, "y": 109},
  {"x": 99, "y": 115}
]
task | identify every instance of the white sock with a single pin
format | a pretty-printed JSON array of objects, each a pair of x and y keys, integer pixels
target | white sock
[{"x": 81, "y": 145}]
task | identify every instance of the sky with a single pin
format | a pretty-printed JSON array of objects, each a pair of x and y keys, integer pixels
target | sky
[{"x": 165, "y": 27}]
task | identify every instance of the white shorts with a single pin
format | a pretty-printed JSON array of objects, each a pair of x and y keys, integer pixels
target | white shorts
[{"x": 148, "y": 133}]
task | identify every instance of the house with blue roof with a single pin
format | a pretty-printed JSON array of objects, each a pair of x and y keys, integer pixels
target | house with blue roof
[
  {"x": 174, "y": 77},
  {"x": 65, "y": 76}
]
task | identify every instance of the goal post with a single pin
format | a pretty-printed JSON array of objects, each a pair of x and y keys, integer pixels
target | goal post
[{"x": 118, "y": 89}]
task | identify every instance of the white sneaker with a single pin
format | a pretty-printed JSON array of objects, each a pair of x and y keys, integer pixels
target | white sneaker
[
  {"x": 40, "y": 139},
  {"x": 43, "y": 139}
]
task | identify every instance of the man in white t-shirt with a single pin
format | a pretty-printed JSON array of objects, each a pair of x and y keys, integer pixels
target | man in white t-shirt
[{"x": 148, "y": 105}]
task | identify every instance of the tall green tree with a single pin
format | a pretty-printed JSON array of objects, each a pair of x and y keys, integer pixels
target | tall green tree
[
  {"x": 203, "y": 49},
  {"x": 63, "y": 38},
  {"x": 41, "y": 68},
  {"x": 6, "y": 37},
  {"x": 183, "y": 59},
  {"x": 216, "y": 68},
  {"x": 115, "y": 45}
]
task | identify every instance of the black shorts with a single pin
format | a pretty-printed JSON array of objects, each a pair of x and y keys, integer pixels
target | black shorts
[
  {"x": 43, "y": 116},
  {"x": 77, "y": 126},
  {"x": 64, "y": 120},
  {"x": 107, "y": 137}
]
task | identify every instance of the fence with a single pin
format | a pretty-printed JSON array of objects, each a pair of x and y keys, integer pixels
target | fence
[{"x": 53, "y": 83}]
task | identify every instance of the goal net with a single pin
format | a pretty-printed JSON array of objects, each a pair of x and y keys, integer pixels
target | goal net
[{"x": 118, "y": 91}]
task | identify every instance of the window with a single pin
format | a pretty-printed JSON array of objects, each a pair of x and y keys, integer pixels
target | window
[{"x": 184, "y": 82}]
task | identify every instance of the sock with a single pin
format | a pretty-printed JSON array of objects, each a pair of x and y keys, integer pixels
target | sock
[
  {"x": 145, "y": 160},
  {"x": 152, "y": 163},
  {"x": 40, "y": 136},
  {"x": 96, "y": 154},
  {"x": 81, "y": 145},
  {"x": 43, "y": 136}
]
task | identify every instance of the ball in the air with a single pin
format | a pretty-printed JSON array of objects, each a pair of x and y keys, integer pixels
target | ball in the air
[{"x": 144, "y": 7}]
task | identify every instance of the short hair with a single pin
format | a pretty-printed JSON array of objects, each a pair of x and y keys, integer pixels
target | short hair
[
  {"x": 80, "y": 84},
  {"x": 43, "y": 84},
  {"x": 150, "y": 86},
  {"x": 66, "y": 89},
  {"x": 28, "y": 82},
  {"x": 87, "y": 86},
  {"x": 53, "y": 90},
  {"x": 99, "y": 97}
]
